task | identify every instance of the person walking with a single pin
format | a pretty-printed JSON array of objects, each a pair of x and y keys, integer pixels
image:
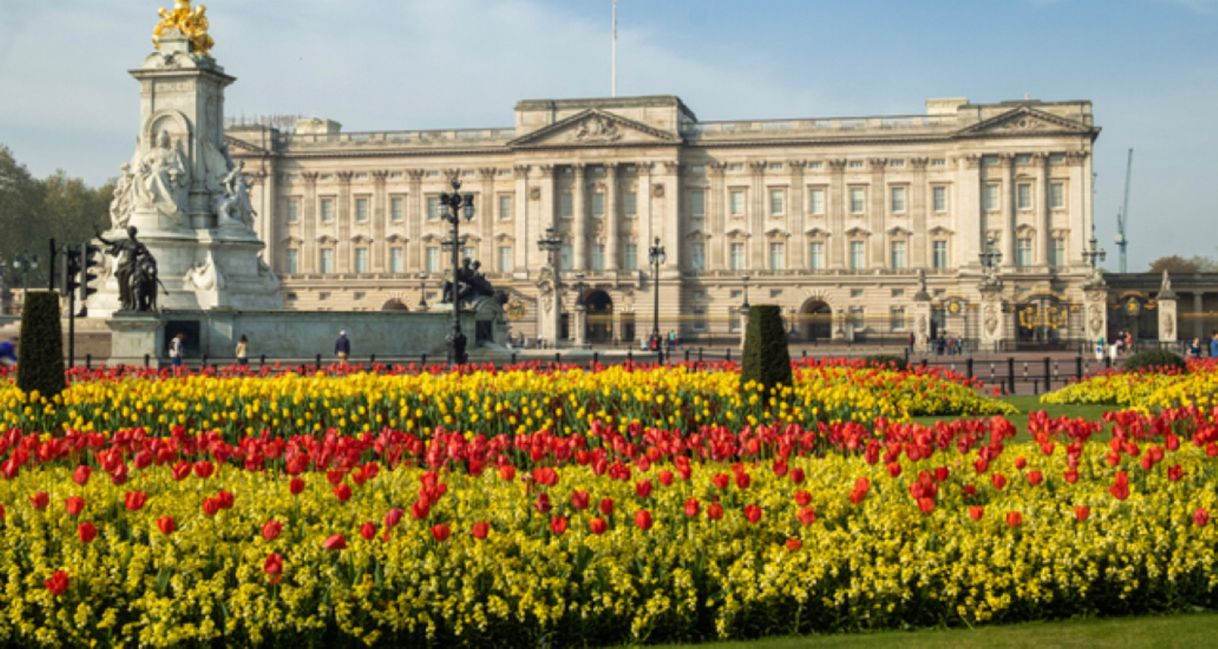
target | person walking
[
  {"x": 342, "y": 346},
  {"x": 8, "y": 354},
  {"x": 1214, "y": 344},
  {"x": 1099, "y": 350},
  {"x": 243, "y": 351},
  {"x": 176, "y": 347}
]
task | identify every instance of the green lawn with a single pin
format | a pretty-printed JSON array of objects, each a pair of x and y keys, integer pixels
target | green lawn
[
  {"x": 1180, "y": 630},
  {"x": 1031, "y": 403}
]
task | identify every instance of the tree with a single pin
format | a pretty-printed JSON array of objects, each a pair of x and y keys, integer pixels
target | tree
[
  {"x": 20, "y": 201},
  {"x": 41, "y": 364},
  {"x": 765, "y": 359},
  {"x": 1175, "y": 264}
]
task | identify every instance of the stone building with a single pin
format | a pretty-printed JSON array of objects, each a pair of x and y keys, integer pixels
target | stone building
[{"x": 859, "y": 227}]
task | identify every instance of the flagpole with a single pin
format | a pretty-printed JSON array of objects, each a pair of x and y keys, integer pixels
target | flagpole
[{"x": 613, "y": 55}]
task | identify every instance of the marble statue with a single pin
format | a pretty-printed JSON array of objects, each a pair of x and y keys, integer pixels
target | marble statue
[
  {"x": 161, "y": 177},
  {"x": 123, "y": 199},
  {"x": 234, "y": 205}
]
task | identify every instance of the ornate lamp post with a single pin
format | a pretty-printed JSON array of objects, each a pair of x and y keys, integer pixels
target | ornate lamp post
[
  {"x": 454, "y": 206},
  {"x": 1093, "y": 254},
  {"x": 23, "y": 263},
  {"x": 422, "y": 292},
  {"x": 991, "y": 256},
  {"x": 552, "y": 244},
  {"x": 655, "y": 254}
]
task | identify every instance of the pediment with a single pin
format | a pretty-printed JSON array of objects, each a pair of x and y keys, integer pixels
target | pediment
[
  {"x": 1025, "y": 120},
  {"x": 595, "y": 127},
  {"x": 236, "y": 144}
]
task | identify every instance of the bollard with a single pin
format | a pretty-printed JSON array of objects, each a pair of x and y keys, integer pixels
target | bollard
[
  {"x": 1011, "y": 373},
  {"x": 728, "y": 357},
  {"x": 699, "y": 354},
  {"x": 513, "y": 358},
  {"x": 1035, "y": 386},
  {"x": 88, "y": 361},
  {"x": 558, "y": 358},
  {"x": 1048, "y": 379},
  {"x": 372, "y": 360},
  {"x": 629, "y": 355},
  {"x": 686, "y": 355},
  {"x": 1078, "y": 367},
  {"x": 261, "y": 361},
  {"x": 969, "y": 367},
  {"x": 319, "y": 362},
  {"x": 147, "y": 361},
  {"x": 423, "y": 360},
  {"x": 204, "y": 362},
  {"x": 923, "y": 363},
  {"x": 1107, "y": 362}
]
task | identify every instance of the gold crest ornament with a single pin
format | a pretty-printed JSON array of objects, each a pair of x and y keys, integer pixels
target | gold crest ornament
[{"x": 192, "y": 22}]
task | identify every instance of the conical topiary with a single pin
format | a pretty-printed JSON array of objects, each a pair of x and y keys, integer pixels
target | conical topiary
[
  {"x": 766, "y": 359},
  {"x": 40, "y": 366}
]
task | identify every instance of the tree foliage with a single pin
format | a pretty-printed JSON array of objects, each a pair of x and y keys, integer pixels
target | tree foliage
[
  {"x": 40, "y": 366},
  {"x": 32, "y": 211},
  {"x": 765, "y": 358},
  {"x": 1175, "y": 264}
]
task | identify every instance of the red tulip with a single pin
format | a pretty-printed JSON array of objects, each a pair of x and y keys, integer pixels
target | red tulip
[
  {"x": 861, "y": 487},
  {"x": 597, "y": 526},
  {"x": 1082, "y": 512},
  {"x": 742, "y": 480},
  {"x": 39, "y": 500},
  {"x": 271, "y": 529},
  {"x": 643, "y": 488},
  {"x": 806, "y": 516},
  {"x": 941, "y": 473},
  {"x": 797, "y": 475},
  {"x": 393, "y": 517},
  {"x": 273, "y": 565},
  {"x": 1035, "y": 477},
  {"x": 1014, "y": 519},
  {"x": 779, "y": 467},
  {"x": 225, "y": 498},
  {"x": 58, "y": 583},
  {"x": 296, "y": 485},
  {"x": 166, "y": 524},
  {"x": 86, "y": 531},
  {"x": 579, "y": 499},
  {"x": 335, "y": 542},
  {"x": 368, "y": 531},
  {"x": 642, "y": 519},
  {"x": 507, "y": 472},
  {"x": 802, "y": 498},
  {"x": 81, "y": 474},
  {"x": 420, "y": 509},
  {"x": 204, "y": 468},
  {"x": 1201, "y": 517},
  {"x": 1071, "y": 475},
  {"x": 134, "y": 500},
  {"x": 794, "y": 544},
  {"x": 665, "y": 477},
  {"x": 342, "y": 492},
  {"x": 722, "y": 480},
  {"x": 894, "y": 469},
  {"x": 998, "y": 480},
  {"x": 543, "y": 504},
  {"x": 606, "y": 506},
  {"x": 2, "y": 511},
  {"x": 119, "y": 474},
  {"x": 975, "y": 512},
  {"x": 558, "y": 524},
  {"x": 1120, "y": 488},
  {"x": 714, "y": 511},
  {"x": 481, "y": 529},
  {"x": 211, "y": 506},
  {"x": 1021, "y": 462},
  {"x": 752, "y": 512},
  {"x": 181, "y": 470},
  {"x": 74, "y": 505},
  {"x": 1175, "y": 472},
  {"x": 692, "y": 507}
]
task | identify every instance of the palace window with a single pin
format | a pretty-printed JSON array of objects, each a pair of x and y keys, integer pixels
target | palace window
[
  {"x": 896, "y": 318},
  {"x": 777, "y": 202},
  {"x": 1058, "y": 258},
  {"x": 566, "y": 257},
  {"x": 505, "y": 206},
  {"x": 433, "y": 259},
  {"x": 898, "y": 199},
  {"x": 630, "y": 204},
  {"x": 857, "y": 261},
  {"x": 361, "y": 209},
  {"x": 396, "y": 259},
  {"x": 898, "y": 254},
  {"x": 736, "y": 202},
  {"x": 816, "y": 201},
  {"x": 990, "y": 197},
  {"x": 327, "y": 209},
  {"x": 938, "y": 197},
  {"x": 631, "y": 256},
  {"x": 292, "y": 261},
  {"x": 566, "y": 205},
  {"x": 294, "y": 209},
  {"x": 857, "y": 317},
  {"x": 858, "y": 200},
  {"x": 505, "y": 259},
  {"x": 1023, "y": 196},
  {"x": 433, "y": 208},
  {"x": 939, "y": 254},
  {"x": 598, "y": 257},
  {"x": 777, "y": 256},
  {"x": 1023, "y": 252},
  {"x": 697, "y": 203},
  {"x": 325, "y": 261},
  {"x": 736, "y": 260},
  {"x": 397, "y": 208},
  {"x": 1057, "y": 195},
  {"x": 598, "y": 205},
  {"x": 816, "y": 255},
  {"x": 697, "y": 257},
  {"x": 361, "y": 260}
]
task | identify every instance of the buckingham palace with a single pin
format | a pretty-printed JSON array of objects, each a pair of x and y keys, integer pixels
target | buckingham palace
[{"x": 970, "y": 219}]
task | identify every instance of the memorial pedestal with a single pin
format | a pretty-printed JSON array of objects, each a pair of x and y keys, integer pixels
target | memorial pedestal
[{"x": 133, "y": 336}]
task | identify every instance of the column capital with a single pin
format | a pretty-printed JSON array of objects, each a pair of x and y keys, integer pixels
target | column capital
[
  {"x": 415, "y": 175},
  {"x": 758, "y": 166},
  {"x": 971, "y": 160},
  {"x": 716, "y": 169},
  {"x": 797, "y": 166},
  {"x": 838, "y": 164},
  {"x": 671, "y": 166},
  {"x": 1077, "y": 156},
  {"x": 877, "y": 164},
  {"x": 344, "y": 177},
  {"x": 380, "y": 176},
  {"x": 919, "y": 163},
  {"x": 310, "y": 178},
  {"x": 486, "y": 173},
  {"x": 547, "y": 171},
  {"x": 520, "y": 171}
]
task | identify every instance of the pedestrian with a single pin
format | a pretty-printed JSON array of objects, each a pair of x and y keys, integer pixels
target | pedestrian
[
  {"x": 1129, "y": 342},
  {"x": 1114, "y": 350},
  {"x": 243, "y": 351},
  {"x": 1099, "y": 350},
  {"x": 910, "y": 343},
  {"x": 8, "y": 354},
  {"x": 1194, "y": 348},
  {"x": 342, "y": 346},
  {"x": 177, "y": 346}
]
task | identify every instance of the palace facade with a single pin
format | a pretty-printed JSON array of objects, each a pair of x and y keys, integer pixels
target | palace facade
[{"x": 846, "y": 222}]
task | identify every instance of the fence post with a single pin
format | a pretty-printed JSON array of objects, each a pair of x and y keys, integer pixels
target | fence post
[
  {"x": 1078, "y": 367},
  {"x": 969, "y": 367},
  {"x": 596, "y": 358},
  {"x": 203, "y": 362},
  {"x": 630, "y": 355},
  {"x": 262, "y": 361},
  {"x": 686, "y": 354},
  {"x": 147, "y": 360},
  {"x": 1011, "y": 373},
  {"x": 1107, "y": 361},
  {"x": 699, "y": 354},
  {"x": 88, "y": 361},
  {"x": 319, "y": 362},
  {"x": 513, "y": 358},
  {"x": 1048, "y": 376},
  {"x": 728, "y": 357},
  {"x": 558, "y": 358},
  {"x": 372, "y": 360}
]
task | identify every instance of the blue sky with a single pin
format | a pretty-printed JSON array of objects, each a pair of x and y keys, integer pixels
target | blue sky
[{"x": 1149, "y": 66}]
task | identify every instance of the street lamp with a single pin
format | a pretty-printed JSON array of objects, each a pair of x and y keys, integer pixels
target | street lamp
[
  {"x": 991, "y": 256},
  {"x": 656, "y": 255},
  {"x": 552, "y": 244},
  {"x": 23, "y": 264},
  {"x": 1093, "y": 254},
  {"x": 454, "y": 206},
  {"x": 422, "y": 291}
]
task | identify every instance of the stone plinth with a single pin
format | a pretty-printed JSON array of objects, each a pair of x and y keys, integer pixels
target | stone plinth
[
  {"x": 993, "y": 319},
  {"x": 921, "y": 313},
  {"x": 1095, "y": 306},
  {"x": 134, "y": 335},
  {"x": 1168, "y": 331}
]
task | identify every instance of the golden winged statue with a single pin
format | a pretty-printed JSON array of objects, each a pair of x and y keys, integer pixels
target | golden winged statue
[{"x": 192, "y": 22}]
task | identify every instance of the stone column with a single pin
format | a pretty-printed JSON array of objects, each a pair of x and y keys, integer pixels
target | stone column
[
  {"x": 579, "y": 225},
  {"x": 1095, "y": 306},
  {"x": 1168, "y": 331},
  {"x": 993, "y": 318},
  {"x": 755, "y": 259},
  {"x": 1198, "y": 310},
  {"x": 744, "y": 325},
  {"x": 380, "y": 214},
  {"x": 1006, "y": 193},
  {"x": 524, "y": 222},
  {"x": 796, "y": 208},
  {"x": 919, "y": 208},
  {"x": 485, "y": 214},
  {"x": 416, "y": 213},
  {"x": 670, "y": 216},
  {"x": 1077, "y": 201},
  {"x": 876, "y": 220},
  {"x": 717, "y": 242},
  {"x": 579, "y": 325},
  {"x": 837, "y": 215},
  {"x": 643, "y": 201},
  {"x": 969, "y": 216},
  {"x": 920, "y": 311},
  {"x": 612, "y": 219},
  {"x": 308, "y": 248},
  {"x": 342, "y": 263},
  {"x": 1043, "y": 215},
  {"x": 271, "y": 219}
]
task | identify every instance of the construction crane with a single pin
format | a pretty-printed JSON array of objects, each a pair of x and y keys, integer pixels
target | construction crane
[{"x": 1123, "y": 215}]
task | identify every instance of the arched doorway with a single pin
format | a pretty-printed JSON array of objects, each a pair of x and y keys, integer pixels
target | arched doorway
[
  {"x": 600, "y": 316},
  {"x": 394, "y": 305},
  {"x": 815, "y": 320}
]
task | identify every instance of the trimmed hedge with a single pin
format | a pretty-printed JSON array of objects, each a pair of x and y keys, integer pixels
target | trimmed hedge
[
  {"x": 765, "y": 359},
  {"x": 40, "y": 366},
  {"x": 1155, "y": 360}
]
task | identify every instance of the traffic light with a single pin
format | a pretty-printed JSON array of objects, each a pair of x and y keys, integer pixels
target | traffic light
[
  {"x": 89, "y": 261},
  {"x": 71, "y": 270}
]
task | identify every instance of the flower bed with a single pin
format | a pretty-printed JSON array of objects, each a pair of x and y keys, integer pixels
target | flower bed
[{"x": 1144, "y": 389}]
